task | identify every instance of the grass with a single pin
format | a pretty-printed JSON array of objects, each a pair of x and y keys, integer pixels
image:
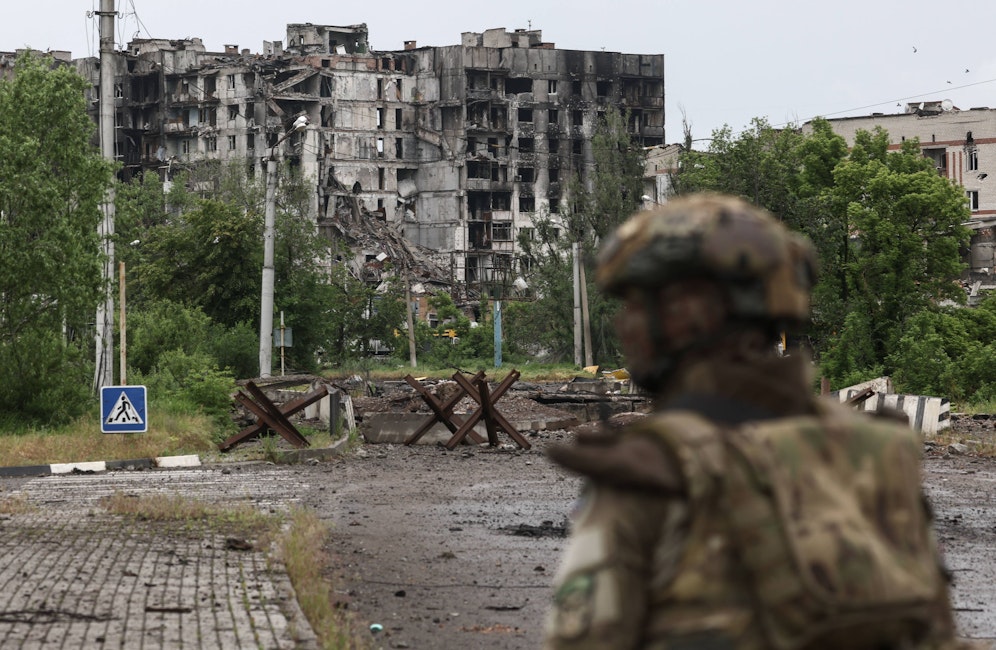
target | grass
[
  {"x": 169, "y": 434},
  {"x": 300, "y": 548},
  {"x": 236, "y": 519}
]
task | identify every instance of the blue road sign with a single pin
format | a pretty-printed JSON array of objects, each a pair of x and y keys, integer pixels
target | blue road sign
[{"x": 122, "y": 409}]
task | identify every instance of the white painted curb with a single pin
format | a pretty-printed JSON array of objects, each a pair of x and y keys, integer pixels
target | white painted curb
[
  {"x": 178, "y": 461},
  {"x": 68, "y": 468}
]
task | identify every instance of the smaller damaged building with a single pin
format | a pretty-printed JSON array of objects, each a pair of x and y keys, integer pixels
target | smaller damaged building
[{"x": 962, "y": 146}]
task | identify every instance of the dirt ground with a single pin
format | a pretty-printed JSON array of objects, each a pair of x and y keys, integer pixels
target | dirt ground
[{"x": 439, "y": 549}]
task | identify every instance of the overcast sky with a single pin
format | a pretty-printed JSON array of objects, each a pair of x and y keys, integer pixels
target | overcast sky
[{"x": 727, "y": 61}]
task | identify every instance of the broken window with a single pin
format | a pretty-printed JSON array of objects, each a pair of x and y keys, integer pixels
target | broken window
[
  {"x": 603, "y": 88},
  {"x": 501, "y": 201},
  {"x": 380, "y": 147},
  {"x": 516, "y": 85},
  {"x": 527, "y": 145},
  {"x": 233, "y": 112},
  {"x": 385, "y": 63},
  {"x": 231, "y": 143},
  {"x": 939, "y": 156},
  {"x": 551, "y": 86},
  {"x": 576, "y": 87},
  {"x": 380, "y": 118},
  {"x": 231, "y": 82},
  {"x": 973, "y": 200},
  {"x": 499, "y": 118},
  {"x": 380, "y": 178},
  {"x": 972, "y": 155},
  {"x": 479, "y": 234},
  {"x": 380, "y": 89},
  {"x": 553, "y": 144},
  {"x": 479, "y": 169},
  {"x": 501, "y": 231},
  {"x": 477, "y": 80},
  {"x": 399, "y": 148},
  {"x": 397, "y": 119},
  {"x": 212, "y": 144},
  {"x": 527, "y": 204},
  {"x": 554, "y": 174},
  {"x": 525, "y": 114},
  {"x": 471, "y": 269},
  {"x": 577, "y": 118},
  {"x": 578, "y": 146},
  {"x": 553, "y": 116},
  {"x": 251, "y": 142},
  {"x": 554, "y": 205},
  {"x": 527, "y": 234},
  {"x": 327, "y": 85},
  {"x": 185, "y": 146},
  {"x": 527, "y": 174},
  {"x": 451, "y": 116}
]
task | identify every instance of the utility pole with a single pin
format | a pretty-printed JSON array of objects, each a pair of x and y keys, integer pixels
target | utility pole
[
  {"x": 269, "y": 219},
  {"x": 576, "y": 254},
  {"x": 104, "y": 325},
  {"x": 409, "y": 319},
  {"x": 589, "y": 358}
]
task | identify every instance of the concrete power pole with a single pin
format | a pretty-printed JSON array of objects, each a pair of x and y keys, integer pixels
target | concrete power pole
[
  {"x": 104, "y": 338},
  {"x": 576, "y": 254}
]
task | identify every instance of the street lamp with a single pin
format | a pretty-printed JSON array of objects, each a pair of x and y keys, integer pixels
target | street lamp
[{"x": 269, "y": 217}]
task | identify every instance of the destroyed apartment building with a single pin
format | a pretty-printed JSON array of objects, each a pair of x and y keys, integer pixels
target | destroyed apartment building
[{"x": 441, "y": 155}]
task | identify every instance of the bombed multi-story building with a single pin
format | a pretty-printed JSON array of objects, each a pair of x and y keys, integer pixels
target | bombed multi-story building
[{"x": 454, "y": 148}]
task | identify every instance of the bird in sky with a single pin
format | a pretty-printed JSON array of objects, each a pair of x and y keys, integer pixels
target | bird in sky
[{"x": 914, "y": 49}]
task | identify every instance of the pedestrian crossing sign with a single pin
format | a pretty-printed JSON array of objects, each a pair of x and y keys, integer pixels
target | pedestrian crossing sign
[{"x": 122, "y": 409}]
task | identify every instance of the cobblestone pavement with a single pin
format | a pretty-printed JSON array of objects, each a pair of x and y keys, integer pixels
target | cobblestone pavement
[{"x": 75, "y": 576}]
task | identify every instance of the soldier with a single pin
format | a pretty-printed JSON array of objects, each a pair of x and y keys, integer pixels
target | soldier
[{"x": 744, "y": 512}]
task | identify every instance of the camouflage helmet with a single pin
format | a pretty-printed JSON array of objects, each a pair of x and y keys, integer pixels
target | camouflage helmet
[{"x": 766, "y": 270}]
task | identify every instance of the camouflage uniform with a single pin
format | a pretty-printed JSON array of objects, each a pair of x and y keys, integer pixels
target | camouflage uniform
[{"x": 745, "y": 512}]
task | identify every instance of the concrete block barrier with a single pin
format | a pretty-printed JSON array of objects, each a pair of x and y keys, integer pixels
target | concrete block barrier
[{"x": 928, "y": 415}]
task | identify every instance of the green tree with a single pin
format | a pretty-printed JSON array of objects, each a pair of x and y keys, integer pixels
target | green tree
[
  {"x": 209, "y": 257},
  {"x": 904, "y": 236},
  {"x": 52, "y": 181}
]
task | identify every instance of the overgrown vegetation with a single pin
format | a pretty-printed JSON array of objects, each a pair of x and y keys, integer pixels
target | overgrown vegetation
[
  {"x": 301, "y": 547},
  {"x": 889, "y": 233},
  {"x": 195, "y": 515},
  {"x": 51, "y": 184}
]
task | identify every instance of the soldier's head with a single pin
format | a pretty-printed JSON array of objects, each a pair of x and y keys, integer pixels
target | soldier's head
[{"x": 701, "y": 272}]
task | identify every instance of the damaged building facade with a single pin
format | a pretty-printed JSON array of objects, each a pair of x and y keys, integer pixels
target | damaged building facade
[{"x": 453, "y": 149}]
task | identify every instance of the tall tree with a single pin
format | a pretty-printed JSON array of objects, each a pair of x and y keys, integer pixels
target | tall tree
[
  {"x": 51, "y": 183},
  {"x": 904, "y": 223}
]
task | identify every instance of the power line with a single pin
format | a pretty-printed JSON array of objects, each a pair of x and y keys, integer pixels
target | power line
[{"x": 890, "y": 101}]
